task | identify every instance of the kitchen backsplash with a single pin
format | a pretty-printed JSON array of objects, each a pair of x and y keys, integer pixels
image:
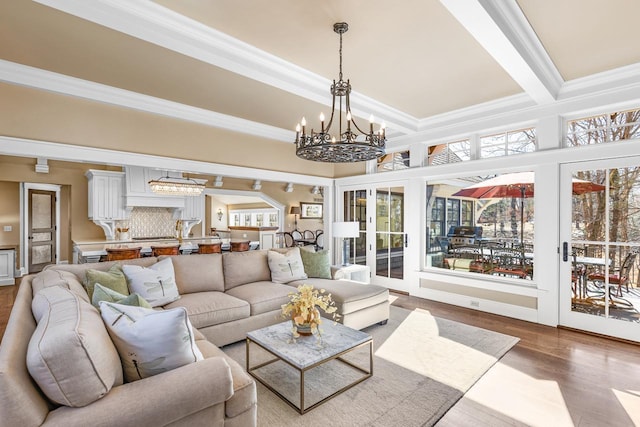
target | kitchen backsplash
[{"x": 150, "y": 222}]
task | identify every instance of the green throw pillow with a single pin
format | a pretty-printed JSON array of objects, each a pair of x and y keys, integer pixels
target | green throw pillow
[
  {"x": 113, "y": 279},
  {"x": 101, "y": 293},
  {"x": 316, "y": 264}
]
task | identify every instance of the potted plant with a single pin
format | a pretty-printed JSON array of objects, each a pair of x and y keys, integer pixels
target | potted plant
[{"x": 303, "y": 308}]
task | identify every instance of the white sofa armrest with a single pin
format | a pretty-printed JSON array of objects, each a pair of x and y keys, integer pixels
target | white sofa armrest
[{"x": 157, "y": 400}]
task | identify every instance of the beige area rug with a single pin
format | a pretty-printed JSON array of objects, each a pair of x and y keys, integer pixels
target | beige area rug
[{"x": 422, "y": 366}]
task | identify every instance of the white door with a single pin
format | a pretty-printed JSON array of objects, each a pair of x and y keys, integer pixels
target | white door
[
  {"x": 380, "y": 210},
  {"x": 599, "y": 244}
]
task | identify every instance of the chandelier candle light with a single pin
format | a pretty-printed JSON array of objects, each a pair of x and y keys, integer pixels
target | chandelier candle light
[{"x": 348, "y": 146}]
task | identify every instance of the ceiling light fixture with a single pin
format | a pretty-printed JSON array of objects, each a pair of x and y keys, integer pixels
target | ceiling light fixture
[
  {"x": 176, "y": 186},
  {"x": 346, "y": 147}
]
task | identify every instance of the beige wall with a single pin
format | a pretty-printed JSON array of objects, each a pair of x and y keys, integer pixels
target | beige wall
[
  {"x": 34, "y": 114},
  {"x": 74, "y": 222}
]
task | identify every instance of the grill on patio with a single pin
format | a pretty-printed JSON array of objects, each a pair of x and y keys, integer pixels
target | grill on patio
[{"x": 464, "y": 235}]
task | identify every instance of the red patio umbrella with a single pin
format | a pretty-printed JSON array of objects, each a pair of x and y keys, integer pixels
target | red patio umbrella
[{"x": 519, "y": 184}]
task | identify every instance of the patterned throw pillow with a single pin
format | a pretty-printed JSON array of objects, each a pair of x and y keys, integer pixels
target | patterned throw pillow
[
  {"x": 317, "y": 264},
  {"x": 156, "y": 284},
  {"x": 112, "y": 279},
  {"x": 100, "y": 293},
  {"x": 286, "y": 267},
  {"x": 149, "y": 341}
]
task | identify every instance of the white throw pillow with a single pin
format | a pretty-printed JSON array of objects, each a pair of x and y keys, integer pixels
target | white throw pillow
[
  {"x": 286, "y": 267},
  {"x": 149, "y": 341},
  {"x": 156, "y": 284}
]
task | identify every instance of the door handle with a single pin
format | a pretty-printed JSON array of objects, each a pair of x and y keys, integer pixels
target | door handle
[
  {"x": 565, "y": 251},
  {"x": 406, "y": 240}
]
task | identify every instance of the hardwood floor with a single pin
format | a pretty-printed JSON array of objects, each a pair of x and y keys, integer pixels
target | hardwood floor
[{"x": 552, "y": 377}]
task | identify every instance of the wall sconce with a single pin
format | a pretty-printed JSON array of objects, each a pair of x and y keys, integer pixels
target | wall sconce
[
  {"x": 220, "y": 214},
  {"x": 257, "y": 185},
  {"x": 288, "y": 188},
  {"x": 315, "y": 190}
]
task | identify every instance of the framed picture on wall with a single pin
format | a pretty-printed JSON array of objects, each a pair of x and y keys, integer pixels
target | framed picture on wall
[{"x": 310, "y": 210}]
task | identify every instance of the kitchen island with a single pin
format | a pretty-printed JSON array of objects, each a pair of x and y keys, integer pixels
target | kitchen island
[{"x": 96, "y": 250}]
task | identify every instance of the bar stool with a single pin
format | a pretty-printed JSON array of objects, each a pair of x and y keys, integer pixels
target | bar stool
[
  {"x": 165, "y": 250},
  {"x": 210, "y": 248},
  {"x": 239, "y": 245},
  {"x": 118, "y": 254}
]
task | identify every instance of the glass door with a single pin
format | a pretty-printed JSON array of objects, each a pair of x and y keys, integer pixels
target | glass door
[
  {"x": 381, "y": 243},
  {"x": 355, "y": 209},
  {"x": 600, "y": 241},
  {"x": 390, "y": 238}
]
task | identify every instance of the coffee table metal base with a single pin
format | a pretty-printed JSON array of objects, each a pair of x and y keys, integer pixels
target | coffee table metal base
[{"x": 301, "y": 407}]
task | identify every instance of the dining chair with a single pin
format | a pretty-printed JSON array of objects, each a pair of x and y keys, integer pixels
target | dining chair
[
  {"x": 619, "y": 277},
  {"x": 296, "y": 235},
  {"x": 308, "y": 234},
  {"x": 319, "y": 241},
  {"x": 289, "y": 242}
]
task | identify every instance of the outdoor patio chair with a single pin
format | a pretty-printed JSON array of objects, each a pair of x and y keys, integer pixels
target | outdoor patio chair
[{"x": 619, "y": 277}]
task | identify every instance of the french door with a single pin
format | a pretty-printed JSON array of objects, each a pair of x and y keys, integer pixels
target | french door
[
  {"x": 599, "y": 245},
  {"x": 380, "y": 211}
]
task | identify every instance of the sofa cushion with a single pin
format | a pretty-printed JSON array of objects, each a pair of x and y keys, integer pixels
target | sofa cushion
[
  {"x": 262, "y": 296},
  {"x": 156, "y": 283},
  {"x": 317, "y": 264},
  {"x": 212, "y": 308},
  {"x": 198, "y": 272},
  {"x": 113, "y": 279},
  {"x": 349, "y": 296},
  {"x": 150, "y": 342},
  {"x": 70, "y": 355},
  {"x": 48, "y": 278},
  {"x": 100, "y": 293},
  {"x": 286, "y": 267},
  {"x": 244, "y": 387},
  {"x": 245, "y": 267}
]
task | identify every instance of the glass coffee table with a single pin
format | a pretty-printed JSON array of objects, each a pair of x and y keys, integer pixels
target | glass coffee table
[{"x": 304, "y": 354}]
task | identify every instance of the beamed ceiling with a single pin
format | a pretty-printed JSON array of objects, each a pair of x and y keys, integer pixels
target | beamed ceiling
[{"x": 270, "y": 62}]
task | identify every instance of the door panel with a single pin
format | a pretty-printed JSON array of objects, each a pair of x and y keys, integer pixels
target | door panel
[
  {"x": 602, "y": 236},
  {"x": 42, "y": 229}
]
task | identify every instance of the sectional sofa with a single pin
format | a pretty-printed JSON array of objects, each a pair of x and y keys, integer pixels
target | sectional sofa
[{"x": 225, "y": 296}]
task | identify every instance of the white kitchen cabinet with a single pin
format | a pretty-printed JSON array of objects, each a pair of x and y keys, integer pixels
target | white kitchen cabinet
[
  {"x": 7, "y": 266},
  {"x": 106, "y": 195},
  {"x": 193, "y": 208}
]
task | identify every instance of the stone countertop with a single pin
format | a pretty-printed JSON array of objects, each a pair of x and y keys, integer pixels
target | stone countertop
[{"x": 99, "y": 247}]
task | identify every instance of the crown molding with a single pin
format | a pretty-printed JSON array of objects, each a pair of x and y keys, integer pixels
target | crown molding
[
  {"x": 608, "y": 80},
  {"x": 149, "y": 21},
  {"x": 24, "y": 75},
  {"x": 21, "y": 147}
]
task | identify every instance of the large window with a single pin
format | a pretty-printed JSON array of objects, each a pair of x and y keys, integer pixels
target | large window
[
  {"x": 470, "y": 233},
  {"x": 253, "y": 217},
  {"x": 603, "y": 128}
]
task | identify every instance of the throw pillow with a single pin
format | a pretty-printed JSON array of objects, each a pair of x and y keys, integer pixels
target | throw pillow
[
  {"x": 70, "y": 355},
  {"x": 156, "y": 283},
  {"x": 101, "y": 293},
  {"x": 317, "y": 264},
  {"x": 150, "y": 341},
  {"x": 286, "y": 267},
  {"x": 112, "y": 279}
]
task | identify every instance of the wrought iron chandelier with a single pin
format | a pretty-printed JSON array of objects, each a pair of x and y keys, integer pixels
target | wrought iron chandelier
[
  {"x": 348, "y": 146},
  {"x": 176, "y": 186}
]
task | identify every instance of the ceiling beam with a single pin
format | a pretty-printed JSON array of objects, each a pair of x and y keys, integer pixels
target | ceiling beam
[{"x": 504, "y": 32}]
